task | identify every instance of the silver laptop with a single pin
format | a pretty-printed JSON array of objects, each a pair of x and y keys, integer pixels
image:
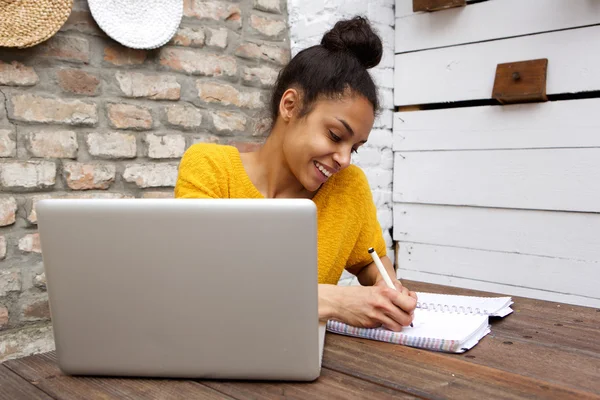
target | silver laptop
[{"x": 186, "y": 288}]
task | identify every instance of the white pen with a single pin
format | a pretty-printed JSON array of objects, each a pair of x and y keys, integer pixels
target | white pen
[{"x": 382, "y": 270}]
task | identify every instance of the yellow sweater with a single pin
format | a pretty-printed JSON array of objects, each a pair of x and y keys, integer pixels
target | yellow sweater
[{"x": 347, "y": 222}]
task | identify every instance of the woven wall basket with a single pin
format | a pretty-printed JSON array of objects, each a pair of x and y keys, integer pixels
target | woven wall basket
[
  {"x": 139, "y": 24},
  {"x": 25, "y": 23}
]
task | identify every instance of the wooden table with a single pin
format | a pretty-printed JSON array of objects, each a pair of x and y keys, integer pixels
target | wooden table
[{"x": 542, "y": 350}]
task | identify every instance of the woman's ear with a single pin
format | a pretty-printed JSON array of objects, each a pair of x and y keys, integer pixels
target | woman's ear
[{"x": 289, "y": 106}]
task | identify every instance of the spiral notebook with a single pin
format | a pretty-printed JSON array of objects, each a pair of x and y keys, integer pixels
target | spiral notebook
[{"x": 448, "y": 323}]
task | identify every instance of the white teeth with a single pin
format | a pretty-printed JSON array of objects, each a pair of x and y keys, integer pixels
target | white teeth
[{"x": 323, "y": 170}]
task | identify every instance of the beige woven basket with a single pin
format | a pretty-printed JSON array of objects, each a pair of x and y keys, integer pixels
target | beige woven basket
[{"x": 25, "y": 23}]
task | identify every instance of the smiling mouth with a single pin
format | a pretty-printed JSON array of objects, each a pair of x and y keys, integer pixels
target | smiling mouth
[{"x": 323, "y": 170}]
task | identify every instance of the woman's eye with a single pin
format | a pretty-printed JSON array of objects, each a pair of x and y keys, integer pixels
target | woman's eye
[
  {"x": 355, "y": 151},
  {"x": 334, "y": 137}
]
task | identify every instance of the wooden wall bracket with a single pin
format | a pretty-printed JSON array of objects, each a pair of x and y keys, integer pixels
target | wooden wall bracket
[
  {"x": 435, "y": 5},
  {"x": 521, "y": 82}
]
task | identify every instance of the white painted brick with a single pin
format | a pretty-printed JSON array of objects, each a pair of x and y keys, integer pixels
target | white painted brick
[
  {"x": 151, "y": 175},
  {"x": 386, "y": 98},
  {"x": 385, "y": 218},
  {"x": 389, "y": 242},
  {"x": 367, "y": 157},
  {"x": 387, "y": 159},
  {"x": 388, "y": 59},
  {"x": 379, "y": 178},
  {"x": 379, "y": 13},
  {"x": 383, "y": 77},
  {"x": 381, "y": 138},
  {"x": 382, "y": 198},
  {"x": 385, "y": 119}
]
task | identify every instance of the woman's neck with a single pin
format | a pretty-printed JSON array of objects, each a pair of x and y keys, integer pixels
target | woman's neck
[{"x": 269, "y": 171}]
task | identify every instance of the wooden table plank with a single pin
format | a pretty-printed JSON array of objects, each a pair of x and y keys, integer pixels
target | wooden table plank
[
  {"x": 551, "y": 323},
  {"x": 330, "y": 385},
  {"x": 13, "y": 387},
  {"x": 43, "y": 371},
  {"x": 432, "y": 374},
  {"x": 521, "y": 356}
]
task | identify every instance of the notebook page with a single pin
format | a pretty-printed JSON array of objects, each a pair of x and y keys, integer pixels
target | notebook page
[
  {"x": 432, "y": 330},
  {"x": 492, "y": 306}
]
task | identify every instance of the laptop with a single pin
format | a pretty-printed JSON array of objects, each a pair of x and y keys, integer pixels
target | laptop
[{"x": 183, "y": 288}]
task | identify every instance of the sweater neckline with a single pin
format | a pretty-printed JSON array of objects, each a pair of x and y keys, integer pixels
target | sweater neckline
[{"x": 239, "y": 168}]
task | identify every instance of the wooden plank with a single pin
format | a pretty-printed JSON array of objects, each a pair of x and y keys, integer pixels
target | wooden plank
[
  {"x": 436, "y": 5},
  {"x": 568, "y": 235},
  {"x": 558, "y": 124},
  {"x": 518, "y": 274},
  {"x": 467, "y": 72},
  {"x": 330, "y": 385},
  {"x": 547, "y": 179},
  {"x": 13, "y": 387},
  {"x": 404, "y": 8},
  {"x": 43, "y": 370},
  {"x": 435, "y": 375},
  {"x": 491, "y": 20}
]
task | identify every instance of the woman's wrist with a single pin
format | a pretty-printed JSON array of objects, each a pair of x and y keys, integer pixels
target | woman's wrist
[{"x": 328, "y": 304}]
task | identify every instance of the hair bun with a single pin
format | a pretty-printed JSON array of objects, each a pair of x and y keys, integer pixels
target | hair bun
[{"x": 356, "y": 36}]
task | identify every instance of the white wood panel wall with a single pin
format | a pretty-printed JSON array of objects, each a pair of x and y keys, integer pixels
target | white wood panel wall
[
  {"x": 489, "y": 20},
  {"x": 499, "y": 198},
  {"x": 467, "y": 72}
]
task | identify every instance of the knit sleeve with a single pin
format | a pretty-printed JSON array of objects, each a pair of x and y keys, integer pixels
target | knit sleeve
[
  {"x": 370, "y": 234},
  {"x": 202, "y": 173}
]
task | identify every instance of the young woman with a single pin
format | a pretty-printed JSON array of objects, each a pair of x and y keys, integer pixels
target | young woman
[{"x": 323, "y": 108}]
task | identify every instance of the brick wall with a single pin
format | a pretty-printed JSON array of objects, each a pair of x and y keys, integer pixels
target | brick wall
[
  {"x": 308, "y": 21},
  {"x": 81, "y": 116}
]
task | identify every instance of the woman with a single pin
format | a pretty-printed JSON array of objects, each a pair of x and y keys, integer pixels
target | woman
[{"x": 323, "y": 108}]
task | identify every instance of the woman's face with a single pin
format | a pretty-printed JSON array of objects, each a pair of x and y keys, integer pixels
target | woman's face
[{"x": 321, "y": 143}]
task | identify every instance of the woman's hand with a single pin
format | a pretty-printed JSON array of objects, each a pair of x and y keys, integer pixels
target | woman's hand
[{"x": 367, "y": 306}]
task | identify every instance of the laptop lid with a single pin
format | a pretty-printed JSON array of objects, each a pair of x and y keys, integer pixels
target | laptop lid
[{"x": 190, "y": 288}]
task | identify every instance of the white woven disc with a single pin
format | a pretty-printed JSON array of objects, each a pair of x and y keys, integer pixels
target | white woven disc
[{"x": 139, "y": 24}]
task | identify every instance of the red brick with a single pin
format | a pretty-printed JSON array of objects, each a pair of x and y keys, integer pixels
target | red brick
[
  {"x": 83, "y": 22},
  {"x": 2, "y": 247},
  {"x": 78, "y": 82},
  {"x": 184, "y": 116},
  {"x": 28, "y": 174},
  {"x": 165, "y": 146},
  {"x": 268, "y": 27},
  {"x": 227, "y": 121},
  {"x": 120, "y": 55},
  {"x": 17, "y": 74},
  {"x": 189, "y": 37},
  {"x": 214, "y": 10},
  {"x": 30, "y": 243},
  {"x": 263, "y": 76},
  {"x": 273, "y": 6},
  {"x": 198, "y": 63},
  {"x": 158, "y": 195},
  {"x": 3, "y": 316},
  {"x": 263, "y": 52},
  {"x": 221, "y": 93},
  {"x": 127, "y": 116},
  {"x": 39, "y": 281},
  {"x": 36, "y": 309},
  {"x": 154, "y": 87},
  {"x": 10, "y": 281},
  {"x": 31, "y": 206},
  {"x": 59, "y": 144},
  {"x": 151, "y": 174},
  {"x": 217, "y": 37},
  {"x": 87, "y": 176},
  {"x": 112, "y": 145},
  {"x": 66, "y": 48},
  {"x": 8, "y": 143},
  {"x": 8, "y": 211},
  {"x": 31, "y": 108}
]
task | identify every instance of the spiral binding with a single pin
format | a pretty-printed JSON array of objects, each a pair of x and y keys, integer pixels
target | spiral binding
[{"x": 451, "y": 309}]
